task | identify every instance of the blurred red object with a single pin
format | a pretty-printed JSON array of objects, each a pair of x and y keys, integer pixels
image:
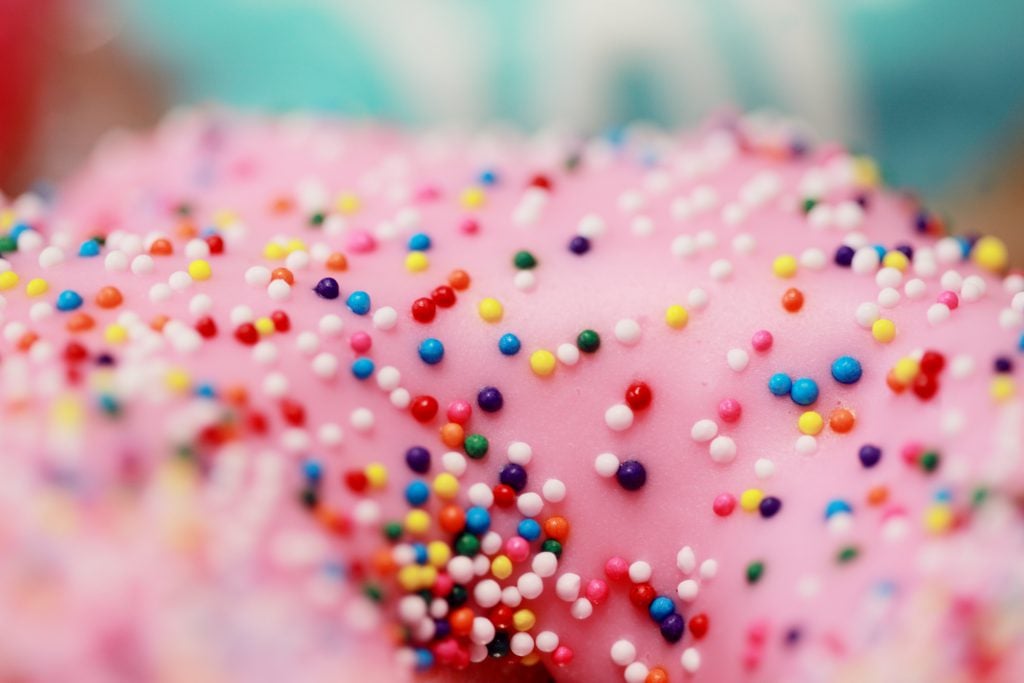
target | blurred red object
[{"x": 25, "y": 47}]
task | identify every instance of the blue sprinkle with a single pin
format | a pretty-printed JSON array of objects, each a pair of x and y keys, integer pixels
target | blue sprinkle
[
  {"x": 944, "y": 495},
  {"x": 312, "y": 470},
  {"x": 431, "y": 351},
  {"x": 68, "y": 300},
  {"x": 509, "y": 344},
  {"x": 424, "y": 659},
  {"x": 419, "y": 242},
  {"x": 206, "y": 390},
  {"x": 109, "y": 404},
  {"x": 358, "y": 302},
  {"x": 880, "y": 250},
  {"x": 965, "y": 246},
  {"x": 478, "y": 520},
  {"x": 417, "y": 492},
  {"x": 1020, "y": 344},
  {"x": 18, "y": 229},
  {"x": 362, "y": 368},
  {"x": 419, "y": 553},
  {"x": 89, "y": 248},
  {"x": 488, "y": 177},
  {"x": 661, "y": 607},
  {"x": 529, "y": 529},
  {"x": 847, "y": 370},
  {"x": 804, "y": 391},
  {"x": 780, "y": 384},
  {"x": 837, "y": 506}
]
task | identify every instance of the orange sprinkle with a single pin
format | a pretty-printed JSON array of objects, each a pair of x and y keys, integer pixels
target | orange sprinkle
[
  {"x": 451, "y": 518},
  {"x": 109, "y": 297},
  {"x": 161, "y": 247},
  {"x": 878, "y": 494},
  {"x": 656, "y": 675},
  {"x": 337, "y": 262},
  {"x": 461, "y": 621},
  {"x": 80, "y": 322},
  {"x": 452, "y": 435},
  {"x": 894, "y": 383},
  {"x": 793, "y": 300},
  {"x": 237, "y": 395},
  {"x": 459, "y": 279},
  {"x": 382, "y": 562},
  {"x": 556, "y": 528},
  {"x": 333, "y": 521},
  {"x": 27, "y": 340},
  {"x": 283, "y": 274},
  {"x": 842, "y": 420},
  {"x": 158, "y": 322},
  {"x": 282, "y": 205},
  {"x": 187, "y": 230}
]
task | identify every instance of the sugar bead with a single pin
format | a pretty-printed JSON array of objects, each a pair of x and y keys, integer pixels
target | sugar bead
[
  {"x": 358, "y": 302},
  {"x": 846, "y": 370},
  {"x": 490, "y": 399},
  {"x": 327, "y": 288},
  {"x": 780, "y": 384},
  {"x": 804, "y": 391},
  {"x": 509, "y": 344},
  {"x": 431, "y": 351},
  {"x": 631, "y": 475}
]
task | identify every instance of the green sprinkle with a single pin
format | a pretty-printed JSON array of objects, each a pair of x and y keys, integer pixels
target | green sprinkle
[
  {"x": 930, "y": 461},
  {"x": 373, "y": 591},
  {"x": 476, "y": 446},
  {"x": 8, "y": 244},
  {"x": 755, "y": 570},
  {"x": 458, "y": 596},
  {"x": 847, "y": 554},
  {"x": 524, "y": 260},
  {"x": 467, "y": 544},
  {"x": 317, "y": 219},
  {"x": 588, "y": 341},
  {"x": 552, "y": 546},
  {"x": 392, "y": 531},
  {"x": 809, "y": 204},
  {"x": 979, "y": 496}
]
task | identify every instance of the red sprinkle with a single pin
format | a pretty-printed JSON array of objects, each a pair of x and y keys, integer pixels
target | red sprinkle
[
  {"x": 424, "y": 408},
  {"x": 638, "y": 396},
  {"x": 423, "y": 310}
]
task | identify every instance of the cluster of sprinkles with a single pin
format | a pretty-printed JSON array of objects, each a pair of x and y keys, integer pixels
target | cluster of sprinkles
[{"x": 481, "y": 539}]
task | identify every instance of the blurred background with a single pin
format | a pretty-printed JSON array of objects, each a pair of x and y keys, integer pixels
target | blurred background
[{"x": 931, "y": 88}]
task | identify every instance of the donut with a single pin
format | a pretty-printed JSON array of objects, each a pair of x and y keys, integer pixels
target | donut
[{"x": 306, "y": 399}]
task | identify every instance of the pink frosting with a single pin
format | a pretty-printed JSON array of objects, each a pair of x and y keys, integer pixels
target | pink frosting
[{"x": 912, "y": 571}]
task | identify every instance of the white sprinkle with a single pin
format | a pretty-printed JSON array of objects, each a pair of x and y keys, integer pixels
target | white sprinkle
[
  {"x": 627, "y": 331},
  {"x": 938, "y": 313},
  {"x": 619, "y": 417},
  {"x": 196, "y": 249},
  {"x": 553, "y": 490},
  {"x": 951, "y": 280},
  {"x": 888, "y": 298},
  {"x": 704, "y": 197},
  {"x": 160, "y": 292},
  {"x": 50, "y": 257},
  {"x": 388, "y": 378},
  {"x": 362, "y": 419},
  {"x": 275, "y": 385},
  {"x": 547, "y": 641},
  {"x": 524, "y": 280},
  {"x": 330, "y": 434},
  {"x": 720, "y": 270},
  {"x": 606, "y": 465},
  {"x": 623, "y": 652},
  {"x": 568, "y": 354},
  {"x": 257, "y": 276},
  {"x": 813, "y": 259},
  {"x": 888, "y": 277},
  {"x": 142, "y": 264},
  {"x": 521, "y": 644},
  {"x": 544, "y": 564},
  {"x": 973, "y": 288},
  {"x": 264, "y": 353},
  {"x": 40, "y": 311},
  {"x": 531, "y": 586},
  {"x": 1017, "y": 303},
  {"x": 454, "y": 463},
  {"x": 567, "y": 587},
  {"x": 591, "y": 225},
  {"x": 631, "y": 201},
  {"x": 200, "y": 304},
  {"x": 529, "y": 504},
  {"x": 307, "y": 343},
  {"x": 490, "y": 544},
  {"x": 331, "y": 325},
  {"x": 737, "y": 359},
  {"x": 865, "y": 261},
  {"x": 687, "y": 590},
  {"x": 279, "y": 290},
  {"x": 947, "y": 251},
  {"x": 581, "y": 609},
  {"x": 915, "y": 288},
  {"x": 706, "y": 239},
  {"x": 806, "y": 445},
  {"x": 480, "y": 494},
  {"x": 297, "y": 260},
  {"x": 642, "y": 226},
  {"x": 708, "y": 569},
  {"x": 722, "y": 449},
  {"x": 697, "y": 298},
  {"x": 640, "y": 572},
  {"x": 962, "y": 366},
  {"x": 848, "y": 215},
  {"x": 400, "y": 398},
  {"x": 690, "y": 660},
  {"x": 683, "y": 246},
  {"x": 385, "y": 318},
  {"x": 1010, "y": 318},
  {"x": 866, "y": 315},
  {"x": 733, "y": 214},
  {"x": 487, "y": 594},
  {"x": 325, "y": 365},
  {"x": 704, "y": 430},
  {"x": 686, "y": 559},
  {"x": 241, "y": 314},
  {"x": 116, "y": 261},
  {"x": 764, "y": 468},
  {"x": 1013, "y": 283},
  {"x": 636, "y": 673},
  {"x": 519, "y": 452},
  {"x": 820, "y": 216},
  {"x": 744, "y": 243},
  {"x": 179, "y": 280}
]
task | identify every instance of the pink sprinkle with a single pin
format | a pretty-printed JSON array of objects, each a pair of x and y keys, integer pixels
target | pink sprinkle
[
  {"x": 911, "y": 452},
  {"x": 562, "y": 655},
  {"x": 427, "y": 193},
  {"x": 724, "y": 504},
  {"x": 443, "y": 585},
  {"x": 762, "y": 340},
  {"x": 361, "y": 242},
  {"x": 730, "y": 409},
  {"x": 950, "y": 299},
  {"x": 360, "y": 342},
  {"x": 517, "y": 548},
  {"x": 616, "y": 568},
  {"x": 596, "y": 591},
  {"x": 470, "y": 226},
  {"x": 757, "y": 633},
  {"x": 447, "y": 649},
  {"x": 459, "y": 411}
]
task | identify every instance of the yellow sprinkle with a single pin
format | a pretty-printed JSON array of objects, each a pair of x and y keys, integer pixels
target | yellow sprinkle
[
  {"x": 274, "y": 251},
  {"x": 491, "y": 310},
  {"x": 115, "y": 334},
  {"x": 865, "y": 172},
  {"x": 896, "y": 259},
  {"x": 409, "y": 578},
  {"x": 446, "y": 486},
  {"x": 37, "y": 286},
  {"x": 785, "y": 266},
  {"x": 416, "y": 262},
  {"x": 472, "y": 198},
  {"x": 200, "y": 270},
  {"x": 348, "y": 203},
  {"x": 530, "y": 659},
  {"x": 542, "y": 362},
  {"x": 376, "y": 475},
  {"x": 906, "y": 369},
  {"x": 938, "y": 518},
  {"x": 264, "y": 325},
  {"x": 8, "y": 279},
  {"x": 427, "y": 576},
  {"x": 438, "y": 553},
  {"x": 676, "y": 317},
  {"x": 177, "y": 380},
  {"x": 67, "y": 412},
  {"x": 811, "y": 422},
  {"x": 6, "y": 219},
  {"x": 524, "y": 620},
  {"x": 883, "y": 330},
  {"x": 991, "y": 254},
  {"x": 295, "y": 244},
  {"x": 417, "y": 522},
  {"x": 750, "y": 499},
  {"x": 1003, "y": 388},
  {"x": 501, "y": 567},
  {"x": 224, "y": 218}
]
